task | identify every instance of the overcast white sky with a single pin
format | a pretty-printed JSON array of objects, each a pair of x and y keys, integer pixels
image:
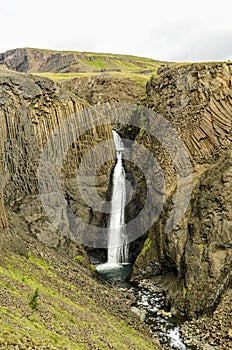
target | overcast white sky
[{"x": 197, "y": 30}]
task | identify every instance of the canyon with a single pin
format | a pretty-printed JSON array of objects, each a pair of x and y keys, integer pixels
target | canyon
[{"x": 61, "y": 121}]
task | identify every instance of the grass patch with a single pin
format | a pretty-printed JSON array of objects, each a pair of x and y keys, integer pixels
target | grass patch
[
  {"x": 63, "y": 76},
  {"x": 139, "y": 79},
  {"x": 97, "y": 63},
  {"x": 42, "y": 264}
]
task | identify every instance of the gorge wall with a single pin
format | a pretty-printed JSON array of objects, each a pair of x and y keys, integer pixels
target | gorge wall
[
  {"x": 194, "y": 259},
  {"x": 34, "y": 111}
]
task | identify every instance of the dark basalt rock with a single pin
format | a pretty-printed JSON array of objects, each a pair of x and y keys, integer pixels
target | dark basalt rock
[{"x": 197, "y": 100}]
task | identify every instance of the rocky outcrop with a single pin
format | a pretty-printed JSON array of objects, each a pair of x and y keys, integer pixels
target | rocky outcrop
[
  {"x": 99, "y": 89},
  {"x": 208, "y": 249},
  {"x": 36, "y": 60},
  {"x": 194, "y": 259},
  {"x": 34, "y": 111},
  {"x": 196, "y": 99}
]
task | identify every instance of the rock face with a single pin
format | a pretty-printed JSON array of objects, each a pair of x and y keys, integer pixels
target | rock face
[
  {"x": 208, "y": 252},
  {"x": 33, "y": 112},
  {"x": 35, "y": 60},
  {"x": 98, "y": 89},
  {"x": 197, "y": 100},
  {"x": 195, "y": 257}
]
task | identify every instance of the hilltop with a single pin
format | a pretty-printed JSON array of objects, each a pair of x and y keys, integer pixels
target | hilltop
[{"x": 69, "y": 63}]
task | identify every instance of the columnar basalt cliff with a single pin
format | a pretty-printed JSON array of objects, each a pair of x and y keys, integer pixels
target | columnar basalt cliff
[
  {"x": 195, "y": 257},
  {"x": 33, "y": 111}
]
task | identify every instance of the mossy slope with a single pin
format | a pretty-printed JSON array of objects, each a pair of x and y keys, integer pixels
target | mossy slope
[{"x": 73, "y": 310}]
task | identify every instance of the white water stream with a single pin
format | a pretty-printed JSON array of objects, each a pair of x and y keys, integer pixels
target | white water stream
[
  {"x": 117, "y": 240},
  {"x": 117, "y": 259}
]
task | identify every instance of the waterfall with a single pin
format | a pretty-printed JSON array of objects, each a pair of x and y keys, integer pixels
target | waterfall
[{"x": 117, "y": 240}]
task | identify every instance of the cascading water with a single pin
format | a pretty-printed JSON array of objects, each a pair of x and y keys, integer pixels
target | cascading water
[
  {"x": 117, "y": 241},
  {"x": 117, "y": 267}
]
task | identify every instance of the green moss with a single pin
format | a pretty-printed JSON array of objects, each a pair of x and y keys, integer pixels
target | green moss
[
  {"x": 93, "y": 268},
  {"x": 79, "y": 258},
  {"x": 37, "y": 333},
  {"x": 42, "y": 264},
  {"x": 143, "y": 98},
  {"x": 146, "y": 247},
  {"x": 201, "y": 248},
  {"x": 10, "y": 288}
]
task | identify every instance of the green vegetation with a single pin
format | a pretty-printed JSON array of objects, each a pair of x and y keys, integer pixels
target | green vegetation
[
  {"x": 34, "y": 300},
  {"x": 49, "y": 311},
  {"x": 96, "y": 63},
  {"x": 138, "y": 78},
  {"x": 146, "y": 247},
  {"x": 79, "y": 258},
  {"x": 88, "y": 64},
  {"x": 120, "y": 59},
  {"x": 63, "y": 76}
]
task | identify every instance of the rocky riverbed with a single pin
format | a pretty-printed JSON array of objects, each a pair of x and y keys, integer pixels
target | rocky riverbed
[{"x": 212, "y": 332}]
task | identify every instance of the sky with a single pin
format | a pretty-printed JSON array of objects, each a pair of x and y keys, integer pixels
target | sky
[{"x": 198, "y": 30}]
